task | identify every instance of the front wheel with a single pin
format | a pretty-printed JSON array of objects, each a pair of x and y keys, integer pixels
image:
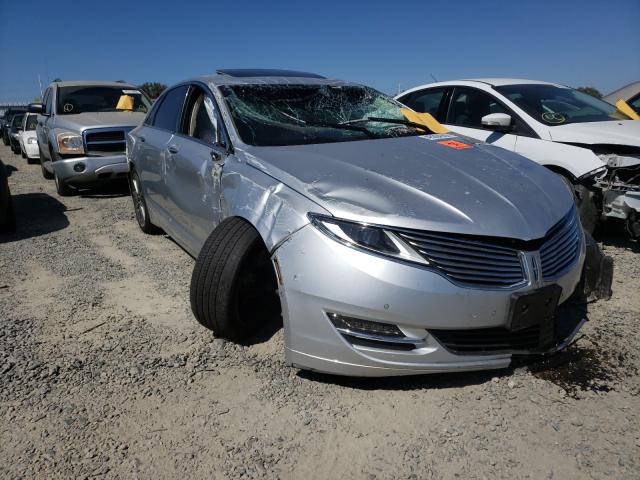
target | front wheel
[
  {"x": 45, "y": 173},
  {"x": 233, "y": 286},
  {"x": 62, "y": 188},
  {"x": 585, "y": 203}
]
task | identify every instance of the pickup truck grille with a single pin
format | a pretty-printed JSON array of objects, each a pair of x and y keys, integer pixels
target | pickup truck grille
[{"x": 103, "y": 141}]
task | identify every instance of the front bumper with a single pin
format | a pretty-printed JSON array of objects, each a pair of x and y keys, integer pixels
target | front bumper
[
  {"x": 319, "y": 276},
  {"x": 79, "y": 170},
  {"x": 31, "y": 150}
]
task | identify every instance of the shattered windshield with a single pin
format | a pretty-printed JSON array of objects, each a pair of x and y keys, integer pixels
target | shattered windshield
[
  {"x": 73, "y": 100},
  {"x": 276, "y": 115},
  {"x": 553, "y": 105}
]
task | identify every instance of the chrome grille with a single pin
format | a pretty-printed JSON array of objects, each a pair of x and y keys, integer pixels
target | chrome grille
[
  {"x": 468, "y": 261},
  {"x": 562, "y": 246},
  {"x": 105, "y": 140}
]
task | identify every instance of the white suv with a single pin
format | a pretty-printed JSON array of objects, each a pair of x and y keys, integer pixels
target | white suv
[{"x": 588, "y": 142}]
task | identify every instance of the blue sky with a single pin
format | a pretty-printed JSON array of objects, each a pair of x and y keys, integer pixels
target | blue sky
[{"x": 381, "y": 44}]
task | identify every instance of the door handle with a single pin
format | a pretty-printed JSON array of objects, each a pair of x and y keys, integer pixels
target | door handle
[
  {"x": 172, "y": 149},
  {"x": 142, "y": 139}
]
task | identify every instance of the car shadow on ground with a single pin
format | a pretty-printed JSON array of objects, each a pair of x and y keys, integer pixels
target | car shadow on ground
[
  {"x": 575, "y": 369},
  {"x": 112, "y": 189},
  {"x": 615, "y": 234},
  {"x": 36, "y": 214},
  {"x": 10, "y": 169}
]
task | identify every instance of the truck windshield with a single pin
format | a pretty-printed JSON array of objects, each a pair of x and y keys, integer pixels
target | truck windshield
[
  {"x": 276, "y": 115},
  {"x": 32, "y": 122},
  {"x": 74, "y": 100},
  {"x": 17, "y": 120},
  {"x": 554, "y": 105}
]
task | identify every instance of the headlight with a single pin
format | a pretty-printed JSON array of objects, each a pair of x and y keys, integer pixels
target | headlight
[
  {"x": 366, "y": 237},
  {"x": 32, "y": 140},
  {"x": 70, "y": 143}
]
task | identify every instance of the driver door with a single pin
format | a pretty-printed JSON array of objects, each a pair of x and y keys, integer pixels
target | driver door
[
  {"x": 196, "y": 156},
  {"x": 464, "y": 115}
]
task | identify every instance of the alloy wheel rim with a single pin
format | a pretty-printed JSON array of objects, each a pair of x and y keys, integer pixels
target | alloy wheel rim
[{"x": 137, "y": 202}]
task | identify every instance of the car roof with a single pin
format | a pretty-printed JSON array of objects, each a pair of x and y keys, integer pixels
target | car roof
[
  {"x": 92, "y": 83},
  {"x": 624, "y": 93},
  {"x": 481, "y": 82},
  {"x": 256, "y": 76},
  {"x": 498, "y": 82}
]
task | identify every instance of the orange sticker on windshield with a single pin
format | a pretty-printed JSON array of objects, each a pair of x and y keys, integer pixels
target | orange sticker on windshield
[{"x": 455, "y": 144}]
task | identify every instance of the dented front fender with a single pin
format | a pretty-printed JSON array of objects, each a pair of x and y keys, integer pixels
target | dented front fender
[{"x": 273, "y": 208}]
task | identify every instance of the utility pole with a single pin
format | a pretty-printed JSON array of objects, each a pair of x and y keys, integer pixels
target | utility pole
[{"x": 40, "y": 84}]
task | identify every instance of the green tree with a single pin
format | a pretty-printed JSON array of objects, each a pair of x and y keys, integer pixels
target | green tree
[
  {"x": 594, "y": 92},
  {"x": 153, "y": 89}
]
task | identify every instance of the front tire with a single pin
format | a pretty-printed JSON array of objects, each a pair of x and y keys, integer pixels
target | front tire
[
  {"x": 45, "y": 173},
  {"x": 585, "y": 200},
  {"x": 62, "y": 188},
  {"x": 140, "y": 205},
  {"x": 233, "y": 286}
]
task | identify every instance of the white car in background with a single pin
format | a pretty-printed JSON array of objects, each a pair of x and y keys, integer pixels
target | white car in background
[
  {"x": 592, "y": 145},
  {"x": 28, "y": 138}
]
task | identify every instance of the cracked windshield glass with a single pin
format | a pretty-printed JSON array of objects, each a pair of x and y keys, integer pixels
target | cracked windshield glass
[{"x": 275, "y": 115}]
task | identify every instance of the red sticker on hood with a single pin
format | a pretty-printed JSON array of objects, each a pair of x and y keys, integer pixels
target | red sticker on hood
[{"x": 455, "y": 144}]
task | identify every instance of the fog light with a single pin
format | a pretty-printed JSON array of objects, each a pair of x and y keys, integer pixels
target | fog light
[
  {"x": 79, "y": 167},
  {"x": 357, "y": 325}
]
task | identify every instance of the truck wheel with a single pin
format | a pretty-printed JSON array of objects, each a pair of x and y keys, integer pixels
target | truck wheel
[
  {"x": 45, "y": 173},
  {"x": 62, "y": 188},
  {"x": 140, "y": 205},
  {"x": 586, "y": 204},
  {"x": 233, "y": 286},
  {"x": 5, "y": 139}
]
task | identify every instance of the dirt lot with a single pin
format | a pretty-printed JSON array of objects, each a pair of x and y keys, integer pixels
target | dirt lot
[{"x": 105, "y": 372}]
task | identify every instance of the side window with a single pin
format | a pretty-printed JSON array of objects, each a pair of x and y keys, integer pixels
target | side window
[
  {"x": 469, "y": 105},
  {"x": 168, "y": 113},
  {"x": 202, "y": 119},
  {"x": 425, "y": 101},
  {"x": 48, "y": 101},
  {"x": 635, "y": 103}
]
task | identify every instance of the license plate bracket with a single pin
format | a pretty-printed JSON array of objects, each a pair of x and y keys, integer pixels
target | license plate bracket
[{"x": 536, "y": 307}]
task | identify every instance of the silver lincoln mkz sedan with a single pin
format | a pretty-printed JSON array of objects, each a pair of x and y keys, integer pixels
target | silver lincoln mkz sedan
[{"x": 389, "y": 249}]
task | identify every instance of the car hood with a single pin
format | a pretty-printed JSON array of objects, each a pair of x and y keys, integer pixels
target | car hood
[
  {"x": 82, "y": 121},
  {"x": 416, "y": 182},
  {"x": 626, "y": 132}
]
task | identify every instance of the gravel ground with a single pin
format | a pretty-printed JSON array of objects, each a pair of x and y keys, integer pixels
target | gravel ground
[{"x": 104, "y": 372}]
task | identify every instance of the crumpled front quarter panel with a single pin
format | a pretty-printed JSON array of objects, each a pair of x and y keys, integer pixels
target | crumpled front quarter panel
[{"x": 272, "y": 207}]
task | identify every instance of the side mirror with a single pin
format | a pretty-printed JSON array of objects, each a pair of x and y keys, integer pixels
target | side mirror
[
  {"x": 38, "y": 108},
  {"x": 498, "y": 122}
]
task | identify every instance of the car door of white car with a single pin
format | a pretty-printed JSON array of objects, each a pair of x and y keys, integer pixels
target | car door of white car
[
  {"x": 464, "y": 115},
  {"x": 194, "y": 166}
]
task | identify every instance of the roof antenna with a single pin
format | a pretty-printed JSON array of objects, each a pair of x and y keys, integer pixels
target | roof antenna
[{"x": 434, "y": 78}]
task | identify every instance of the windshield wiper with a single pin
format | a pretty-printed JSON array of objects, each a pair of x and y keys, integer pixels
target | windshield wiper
[
  {"x": 343, "y": 126},
  {"x": 389, "y": 120}
]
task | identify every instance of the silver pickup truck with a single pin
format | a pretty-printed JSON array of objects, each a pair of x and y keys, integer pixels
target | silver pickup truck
[{"x": 82, "y": 126}]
